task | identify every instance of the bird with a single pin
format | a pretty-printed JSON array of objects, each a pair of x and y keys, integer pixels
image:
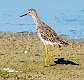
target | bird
[{"x": 46, "y": 34}]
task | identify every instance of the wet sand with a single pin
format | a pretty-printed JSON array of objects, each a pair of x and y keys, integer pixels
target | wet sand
[{"x": 21, "y": 58}]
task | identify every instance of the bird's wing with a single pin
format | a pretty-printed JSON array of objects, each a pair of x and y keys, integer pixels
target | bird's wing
[{"x": 49, "y": 34}]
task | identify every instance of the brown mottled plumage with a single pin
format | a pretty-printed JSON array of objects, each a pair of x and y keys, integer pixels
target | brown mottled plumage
[
  {"x": 45, "y": 33},
  {"x": 48, "y": 34}
]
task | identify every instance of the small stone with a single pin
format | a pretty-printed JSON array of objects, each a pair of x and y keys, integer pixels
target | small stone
[{"x": 25, "y": 52}]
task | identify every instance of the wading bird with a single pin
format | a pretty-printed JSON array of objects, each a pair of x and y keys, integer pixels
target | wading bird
[{"x": 46, "y": 34}]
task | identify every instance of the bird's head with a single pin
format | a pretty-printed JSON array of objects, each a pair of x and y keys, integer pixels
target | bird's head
[{"x": 32, "y": 12}]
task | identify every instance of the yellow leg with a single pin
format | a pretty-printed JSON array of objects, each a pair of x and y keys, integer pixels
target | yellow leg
[
  {"x": 57, "y": 52},
  {"x": 53, "y": 54},
  {"x": 46, "y": 58},
  {"x": 49, "y": 56}
]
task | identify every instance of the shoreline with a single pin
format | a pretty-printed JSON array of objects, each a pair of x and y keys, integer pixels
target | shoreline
[{"x": 34, "y": 34}]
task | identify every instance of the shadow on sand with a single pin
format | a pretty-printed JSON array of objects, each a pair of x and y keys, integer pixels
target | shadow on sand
[{"x": 63, "y": 61}]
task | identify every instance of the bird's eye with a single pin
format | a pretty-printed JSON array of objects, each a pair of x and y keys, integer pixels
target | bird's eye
[{"x": 29, "y": 11}]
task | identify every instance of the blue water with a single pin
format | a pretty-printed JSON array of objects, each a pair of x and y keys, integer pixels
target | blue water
[
  {"x": 66, "y": 17},
  {"x": 71, "y": 25}
]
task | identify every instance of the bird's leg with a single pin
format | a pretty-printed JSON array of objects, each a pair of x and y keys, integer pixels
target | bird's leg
[
  {"x": 54, "y": 53},
  {"x": 49, "y": 56},
  {"x": 46, "y": 56}
]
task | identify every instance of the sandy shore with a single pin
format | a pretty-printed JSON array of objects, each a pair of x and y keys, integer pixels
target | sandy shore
[{"x": 21, "y": 58}]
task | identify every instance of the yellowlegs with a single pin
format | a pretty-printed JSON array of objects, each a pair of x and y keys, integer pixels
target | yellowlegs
[{"x": 45, "y": 32}]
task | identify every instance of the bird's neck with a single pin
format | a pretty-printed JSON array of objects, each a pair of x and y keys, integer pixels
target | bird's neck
[{"x": 36, "y": 19}]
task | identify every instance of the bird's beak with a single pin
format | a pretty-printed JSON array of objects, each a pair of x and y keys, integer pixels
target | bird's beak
[{"x": 23, "y": 15}]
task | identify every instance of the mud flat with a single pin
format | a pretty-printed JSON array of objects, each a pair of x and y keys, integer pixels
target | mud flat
[{"x": 21, "y": 58}]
